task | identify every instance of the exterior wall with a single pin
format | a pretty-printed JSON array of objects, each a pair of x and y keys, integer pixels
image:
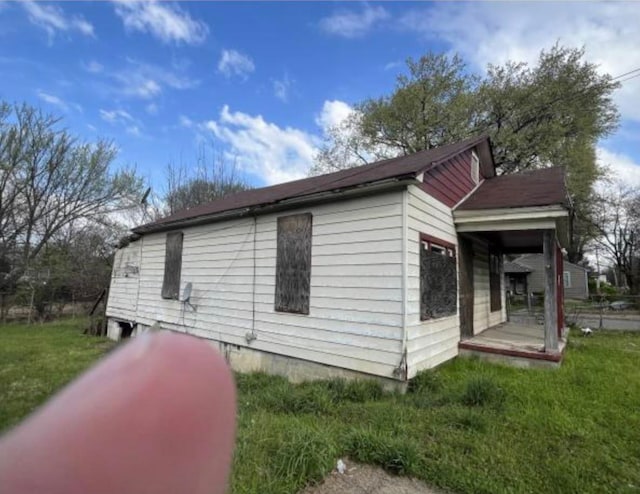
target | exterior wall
[
  {"x": 579, "y": 288},
  {"x": 356, "y": 312},
  {"x": 450, "y": 181},
  {"x": 429, "y": 343},
  {"x": 125, "y": 277},
  {"x": 483, "y": 318}
]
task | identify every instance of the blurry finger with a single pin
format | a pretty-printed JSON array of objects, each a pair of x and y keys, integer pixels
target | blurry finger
[{"x": 157, "y": 416}]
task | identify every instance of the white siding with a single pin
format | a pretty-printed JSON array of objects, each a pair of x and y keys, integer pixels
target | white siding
[
  {"x": 123, "y": 292},
  {"x": 482, "y": 315},
  {"x": 429, "y": 343},
  {"x": 355, "y": 318}
]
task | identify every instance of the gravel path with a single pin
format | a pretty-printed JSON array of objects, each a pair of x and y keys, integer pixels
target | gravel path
[{"x": 364, "y": 479}]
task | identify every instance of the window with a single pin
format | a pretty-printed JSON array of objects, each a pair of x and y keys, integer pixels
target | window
[
  {"x": 438, "y": 278},
  {"x": 567, "y": 279},
  {"x": 293, "y": 263},
  {"x": 475, "y": 168},
  {"x": 495, "y": 260},
  {"x": 172, "y": 266}
]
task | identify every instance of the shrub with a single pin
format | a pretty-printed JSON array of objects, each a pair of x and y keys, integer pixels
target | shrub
[{"x": 483, "y": 391}]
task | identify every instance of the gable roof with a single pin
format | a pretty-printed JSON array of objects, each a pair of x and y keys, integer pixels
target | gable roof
[
  {"x": 543, "y": 187},
  {"x": 514, "y": 267},
  {"x": 535, "y": 261},
  {"x": 395, "y": 168}
]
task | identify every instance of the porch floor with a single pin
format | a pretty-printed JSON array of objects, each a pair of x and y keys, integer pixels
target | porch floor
[{"x": 516, "y": 344}]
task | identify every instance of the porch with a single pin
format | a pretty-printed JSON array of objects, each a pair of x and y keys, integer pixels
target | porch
[
  {"x": 514, "y": 214},
  {"x": 521, "y": 345}
]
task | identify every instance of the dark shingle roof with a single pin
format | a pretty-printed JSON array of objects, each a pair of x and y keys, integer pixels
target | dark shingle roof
[
  {"x": 402, "y": 167},
  {"x": 514, "y": 267},
  {"x": 544, "y": 187}
]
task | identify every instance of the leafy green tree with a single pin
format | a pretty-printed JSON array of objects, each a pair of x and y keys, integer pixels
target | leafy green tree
[{"x": 550, "y": 114}]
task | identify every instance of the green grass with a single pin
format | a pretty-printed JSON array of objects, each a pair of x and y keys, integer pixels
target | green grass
[
  {"x": 467, "y": 427},
  {"x": 37, "y": 360}
]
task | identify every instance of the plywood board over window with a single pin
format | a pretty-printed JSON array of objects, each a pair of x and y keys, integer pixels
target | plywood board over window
[
  {"x": 293, "y": 263},
  {"x": 438, "y": 279},
  {"x": 172, "y": 266}
]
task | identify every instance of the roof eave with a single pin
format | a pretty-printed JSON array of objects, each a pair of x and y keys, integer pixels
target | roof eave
[{"x": 259, "y": 209}]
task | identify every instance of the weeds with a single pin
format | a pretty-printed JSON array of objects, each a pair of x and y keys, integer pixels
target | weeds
[
  {"x": 397, "y": 455},
  {"x": 483, "y": 391},
  {"x": 575, "y": 429}
]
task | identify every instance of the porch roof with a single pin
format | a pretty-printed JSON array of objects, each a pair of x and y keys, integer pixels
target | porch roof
[{"x": 535, "y": 188}]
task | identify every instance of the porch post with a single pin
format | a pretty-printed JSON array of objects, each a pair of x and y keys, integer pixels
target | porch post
[{"x": 550, "y": 289}]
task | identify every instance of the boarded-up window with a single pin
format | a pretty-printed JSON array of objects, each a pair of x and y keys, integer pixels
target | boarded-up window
[
  {"x": 494, "y": 281},
  {"x": 438, "y": 280},
  {"x": 293, "y": 264},
  {"x": 172, "y": 266}
]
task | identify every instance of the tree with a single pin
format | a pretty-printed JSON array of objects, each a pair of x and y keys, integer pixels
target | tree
[
  {"x": 549, "y": 114},
  {"x": 213, "y": 176},
  {"x": 617, "y": 223},
  {"x": 50, "y": 180}
]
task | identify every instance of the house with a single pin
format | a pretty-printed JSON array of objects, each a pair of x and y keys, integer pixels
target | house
[
  {"x": 381, "y": 270},
  {"x": 525, "y": 274}
]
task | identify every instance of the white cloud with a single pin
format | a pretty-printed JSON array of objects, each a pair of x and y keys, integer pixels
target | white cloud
[
  {"x": 185, "y": 122},
  {"x": 352, "y": 24},
  {"x": 124, "y": 119},
  {"x": 53, "y": 100},
  {"x": 622, "y": 167},
  {"x": 59, "y": 102},
  {"x": 392, "y": 65},
  {"x": 134, "y": 130},
  {"x": 333, "y": 113},
  {"x": 53, "y": 19},
  {"x": 151, "y": 109},
  {"x": 234, "y": 63},
  {"x": 94, "y": 67},
  {"x": 282, "y": 87},
  {"x": 146, "y": 81},
  {"x": 114, "y": 116},
  {"x": 486, "y": 32},
  {"x": 277, "y": 154},
  {"x": 166, "y": 21}
]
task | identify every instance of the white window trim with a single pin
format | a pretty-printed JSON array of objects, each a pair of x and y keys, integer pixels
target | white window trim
[{"x": 566, "y": 275}]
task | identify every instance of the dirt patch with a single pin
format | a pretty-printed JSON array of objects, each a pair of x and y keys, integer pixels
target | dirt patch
[{"x": 364, "y": 479}]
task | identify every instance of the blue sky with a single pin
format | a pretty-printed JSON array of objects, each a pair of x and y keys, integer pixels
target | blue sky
[{"x": 264, "y": 80}]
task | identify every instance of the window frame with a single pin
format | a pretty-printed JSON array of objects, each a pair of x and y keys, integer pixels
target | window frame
[
  {"x": 566, "y": 275},
  {"x": 430, "y": 243}
]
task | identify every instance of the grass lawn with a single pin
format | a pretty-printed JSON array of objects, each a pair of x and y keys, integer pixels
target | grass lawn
[{"x": 467, "y": 427}]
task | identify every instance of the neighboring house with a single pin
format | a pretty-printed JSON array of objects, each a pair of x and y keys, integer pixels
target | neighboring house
[
  {"x": 575, "y": 278},
  {"x": 377, "y": 270},
  {"x": 516, "y": 278}
]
